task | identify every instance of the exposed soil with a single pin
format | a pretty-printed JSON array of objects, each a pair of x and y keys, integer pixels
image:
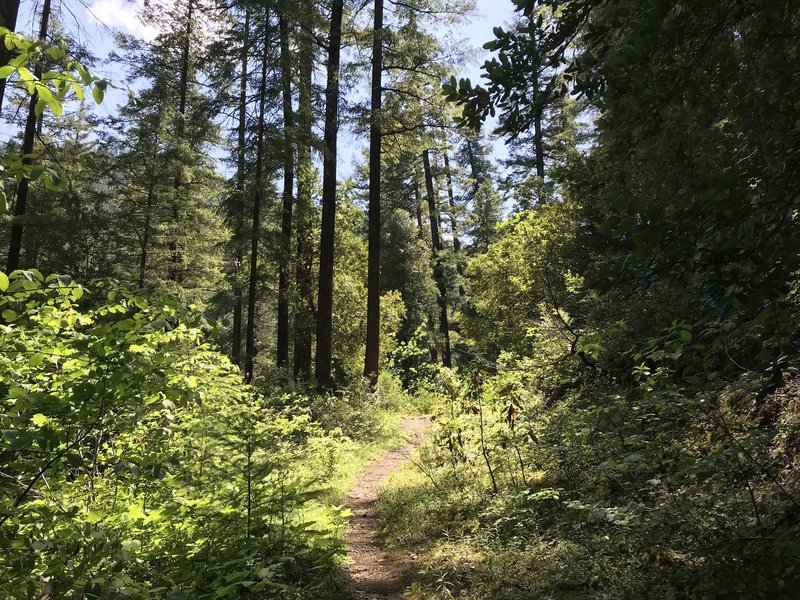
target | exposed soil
[{"x": 375, "y": 576}]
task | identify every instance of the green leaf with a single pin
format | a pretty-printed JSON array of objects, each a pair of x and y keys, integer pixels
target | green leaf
[
  {"x": 55, "y": 52},
  {"x": 5, "y": 71},
  {"x": 98, "y": 94},
  {"x": 56, "y": 107},
  {"x": 83, "y": 72},
  {"x": 3, "y": 282},
  {"x": 25, "y": 74},
  {"x": 37, "y": 170},
  {"x": 94, "y": 516},
  {"x": 39, "y": 420}
]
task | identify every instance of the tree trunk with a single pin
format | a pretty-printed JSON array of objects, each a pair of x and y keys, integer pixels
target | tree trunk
[
  {"x": 287, "y": 201},
  {"x": 328, "y": 226},
  {"x": 250, "y": 349},
  {"x": 537, "y": 123},
  {"x": 438, "y": 271},
  {"x": 8, "y": 18},
  {"x": 475, "y": 173},
  {"x": 175, "y": 271},
  {"x": 187, "y": 45},
  {"x": 418, "y": 206},
  {"x": 21, "y": 204},
  {"x": 537, "y": 132},
  {"x": 454, "y": 225},
  {"x": 304, "y": 324},
  {"x": 372, "y": 354},
  {"x": 451, "y": 200},
  {"x": 236, "y": 338},
  {"x": 432, "y": 352},
  {"x": 146, "y": 235}
]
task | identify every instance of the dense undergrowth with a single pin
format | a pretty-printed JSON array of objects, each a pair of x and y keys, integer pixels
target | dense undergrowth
[
  {"x": 137, "y": 465},
  {"x": 624, "y": 424},
  {"x": 613, "y": 449},
  {"x": 653, "y": 494}
]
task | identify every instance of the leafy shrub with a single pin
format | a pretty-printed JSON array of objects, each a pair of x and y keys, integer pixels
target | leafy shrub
[{"x": 136, "y": 464}]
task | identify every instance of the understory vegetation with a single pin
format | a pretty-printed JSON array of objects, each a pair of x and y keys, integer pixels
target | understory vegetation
[
  {"x": 140, "y": 466},
  {"x": 632, "y": 430}
]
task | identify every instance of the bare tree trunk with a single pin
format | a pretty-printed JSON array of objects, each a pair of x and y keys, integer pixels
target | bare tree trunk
[
  {"x": 372, "y": 354},
  {"x": 432, "y": 352},
  {"x": 21, "y": 204},
  {"x": 304, "y": 325},
  {"x": 475, "y": 173},
  {"x": 537, "y": 132},
  {"x": 236, "y": 342},
  {"x": 287, "y": 200},
  {"x": 250, "y": 349},
  {"x": 8, "y": 18},
  {"x": 328, "y": 226},
  {"x": 454, "y": 225},
  {"x": 537, "y": 123},
  {"x": 438, "y": 271},
  {"x": 418, "y": 207}
]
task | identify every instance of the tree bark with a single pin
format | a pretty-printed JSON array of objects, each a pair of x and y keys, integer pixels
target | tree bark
[
  {"x": 21, "y": 204},
  {"x": 537, "y": 123},
  {"x": 475, "y": 173},
  {"x": 451, "y": 200},
  {"x": 438, "y": 271},
  {"x": 8, "y": 18},
  {"x": 539, "y": 145},
  {"x": 287, "y": 200},
  {"x": 236, "y": 341},
  {"x": 250, "y": 349},
  {"x": 418, "y": 207},
  {"x": 328, "y": 226},
  {"x": 432, "y": 352},
  {"x": 304, "y": 324},
  {"x": 372, "y": 354}
]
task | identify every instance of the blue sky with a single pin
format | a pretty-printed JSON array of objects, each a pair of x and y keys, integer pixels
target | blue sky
[
  {"x": 489, "y": 14},
  {"x": 93, "y": 21}
]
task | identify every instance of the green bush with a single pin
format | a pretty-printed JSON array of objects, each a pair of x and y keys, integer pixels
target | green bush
[{"x": 135, "y": 463}]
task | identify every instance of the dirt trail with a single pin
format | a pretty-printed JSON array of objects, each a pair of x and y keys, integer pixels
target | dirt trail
[{"x": 374, "y": 575}]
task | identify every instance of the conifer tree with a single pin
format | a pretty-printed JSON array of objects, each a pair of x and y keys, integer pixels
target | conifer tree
[
  {"x": 371, "y": 360},
  {"x": 328, "y": 225},
  {"x": 438, "y": 270},
  {"x": 9, "y": 9},
  {"x": 287, "y": 203},
  {"x": 258, "y": 199},
  {"x": 23, "y": 190},
  {"x": 304, "y": 310},
  {"x": 239, "y": 194}
]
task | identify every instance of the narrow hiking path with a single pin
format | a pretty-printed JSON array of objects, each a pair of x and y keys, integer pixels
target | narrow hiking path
[{"x": 374, "y": 575}]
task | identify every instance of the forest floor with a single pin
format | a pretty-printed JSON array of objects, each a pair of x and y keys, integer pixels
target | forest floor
[{"x": 375, "y": 575}]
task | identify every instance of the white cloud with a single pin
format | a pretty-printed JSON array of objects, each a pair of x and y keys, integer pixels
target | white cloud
[{"x": 122, "y": 15}]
